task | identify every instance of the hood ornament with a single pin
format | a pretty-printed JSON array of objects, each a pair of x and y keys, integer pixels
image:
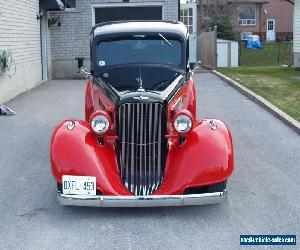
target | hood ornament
[
  {"x": 140, "y": 81},
  {"x": 141, "y": 98},
  {"x": 141, "y": 89}
]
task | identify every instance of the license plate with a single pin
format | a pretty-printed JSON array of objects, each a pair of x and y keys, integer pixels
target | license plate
[{"x": 81, "y": 185}]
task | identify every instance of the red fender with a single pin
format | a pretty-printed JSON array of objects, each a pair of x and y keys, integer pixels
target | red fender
[
  {"x": 77, "y": 152},
  {"x": 205, "y": 158}
]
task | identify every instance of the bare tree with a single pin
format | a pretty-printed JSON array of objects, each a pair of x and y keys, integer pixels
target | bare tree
[{"x": 210, "y": 9}]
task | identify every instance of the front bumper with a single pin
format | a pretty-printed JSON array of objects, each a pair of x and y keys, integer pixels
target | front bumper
[{"x": 143, "y": 201}]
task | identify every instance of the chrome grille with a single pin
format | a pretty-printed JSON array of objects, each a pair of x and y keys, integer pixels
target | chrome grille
[{"x": 141, "y": 146}]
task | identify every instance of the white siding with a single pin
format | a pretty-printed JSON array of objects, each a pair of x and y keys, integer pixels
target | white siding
[
  {"x": 20, "y": 33},
  {"x": 297, "y": 26}
]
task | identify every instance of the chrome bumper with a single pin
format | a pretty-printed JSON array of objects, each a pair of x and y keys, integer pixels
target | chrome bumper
[{"x": 142, "y": 201}]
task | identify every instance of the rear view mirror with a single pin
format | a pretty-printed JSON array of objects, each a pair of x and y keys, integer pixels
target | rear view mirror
[
  {"x": 84, "y": 71},
  {"x": 192, "y": 66}
]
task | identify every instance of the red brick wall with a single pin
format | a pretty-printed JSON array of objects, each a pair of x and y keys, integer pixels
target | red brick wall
[{"x": 282, "y": 12}]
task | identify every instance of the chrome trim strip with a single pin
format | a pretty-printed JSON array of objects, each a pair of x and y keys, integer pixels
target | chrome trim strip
[
  {"x": 143, "y": 201},
  {"x": 153, "y": 181},
  {"x": 122, "y": 113},
  {"x": 143, "y": 151},
  {"x": 127, "y": 150},
  {"x": 150, "y": 140},
  {"x": 158, "y": 180},
  {"x": 132, "y": 166}
]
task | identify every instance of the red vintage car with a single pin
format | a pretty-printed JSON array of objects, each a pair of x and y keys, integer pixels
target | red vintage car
[{"x": 140, "y": 143}]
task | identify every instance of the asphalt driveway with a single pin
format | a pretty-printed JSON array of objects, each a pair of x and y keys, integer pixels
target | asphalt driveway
[{"x": 264, "y": 190}]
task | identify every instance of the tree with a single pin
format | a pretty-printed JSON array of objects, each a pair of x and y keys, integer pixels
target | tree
[
  {"x": 225, "y": 28},
  {"x": 209, "y": 9}
]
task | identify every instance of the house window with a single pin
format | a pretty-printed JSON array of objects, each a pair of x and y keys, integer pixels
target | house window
[
  {"x": 70, "y": 4},
  {"x": 270, "y": 25},
  {"x": 247, "y": 15},
  {"x": 245, "y": 35},
  {"x": 186, "y": 17}
]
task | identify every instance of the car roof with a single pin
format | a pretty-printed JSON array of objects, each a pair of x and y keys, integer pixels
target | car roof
[{"x": 135, "y": 27}]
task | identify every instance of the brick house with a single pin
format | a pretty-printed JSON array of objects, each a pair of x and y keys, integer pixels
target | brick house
[
  {"x": 45, "y": 37},
  {"x": 272, "y": 20}
]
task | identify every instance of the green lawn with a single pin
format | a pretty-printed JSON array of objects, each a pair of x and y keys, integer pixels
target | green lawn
[
  {"x": 274, "y": 83},
  {"x": 271, "y": 54}
]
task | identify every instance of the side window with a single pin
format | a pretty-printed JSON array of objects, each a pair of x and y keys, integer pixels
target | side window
[
  {"x": 70, "y": 4},
  {"x": 91, "y": 55},
  {"x": 188, "y": 53}
]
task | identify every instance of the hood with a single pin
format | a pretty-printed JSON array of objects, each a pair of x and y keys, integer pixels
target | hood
[{"x": 140, "y": 84}]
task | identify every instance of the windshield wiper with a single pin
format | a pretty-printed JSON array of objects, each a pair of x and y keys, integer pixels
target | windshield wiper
[
  {"x": 162, "y": 83},
  {"x": 166, "y": 40}
]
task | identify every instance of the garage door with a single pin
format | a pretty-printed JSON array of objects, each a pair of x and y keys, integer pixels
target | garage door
[{"x": 128, "y": 13}]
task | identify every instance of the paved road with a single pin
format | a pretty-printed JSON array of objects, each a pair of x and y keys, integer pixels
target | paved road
[{"x": 264, "y": 190}]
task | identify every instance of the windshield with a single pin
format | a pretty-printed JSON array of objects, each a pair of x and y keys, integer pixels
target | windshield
[
  {"x": 140, "y": 51},
  {"x": 129, "y": 77}
]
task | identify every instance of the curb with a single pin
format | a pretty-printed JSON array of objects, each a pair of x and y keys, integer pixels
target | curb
[{"x": 288, "y": 120}]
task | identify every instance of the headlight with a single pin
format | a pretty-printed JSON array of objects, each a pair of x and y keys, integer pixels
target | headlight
[
  {"x": 183, "y": 123},
  {"x": 100, "y": 123}
]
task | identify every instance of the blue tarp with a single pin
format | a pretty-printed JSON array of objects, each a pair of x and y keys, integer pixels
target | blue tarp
[{"x": 253, "y": 42}]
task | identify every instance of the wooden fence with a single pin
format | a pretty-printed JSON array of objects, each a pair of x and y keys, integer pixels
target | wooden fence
[{"x": 207, "y": 49}]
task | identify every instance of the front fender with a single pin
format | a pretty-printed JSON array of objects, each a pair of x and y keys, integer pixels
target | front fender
[
  {"x": 205, "y": 158},
  {"x": 77, "y": 152}
]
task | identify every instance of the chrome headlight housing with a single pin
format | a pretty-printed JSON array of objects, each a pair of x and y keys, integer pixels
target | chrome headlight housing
[
  {"x": 183, "y": 123},
  {"x": 100, "y": 123}
]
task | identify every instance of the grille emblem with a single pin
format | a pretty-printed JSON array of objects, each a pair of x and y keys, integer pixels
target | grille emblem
[{"x": 141, "y": 98}]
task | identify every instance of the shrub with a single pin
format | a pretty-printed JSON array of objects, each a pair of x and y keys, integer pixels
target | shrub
[{"x": 225, "y": 28}]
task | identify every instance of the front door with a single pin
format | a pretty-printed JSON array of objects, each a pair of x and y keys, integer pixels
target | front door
[
  {"x": 188, "y": 15},
  {"x": 271, "y": 30}
]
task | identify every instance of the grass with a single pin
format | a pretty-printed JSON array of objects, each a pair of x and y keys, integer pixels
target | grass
[
  {"x": 271, "y": 54},
  {"x": 276, "y": 84}
]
